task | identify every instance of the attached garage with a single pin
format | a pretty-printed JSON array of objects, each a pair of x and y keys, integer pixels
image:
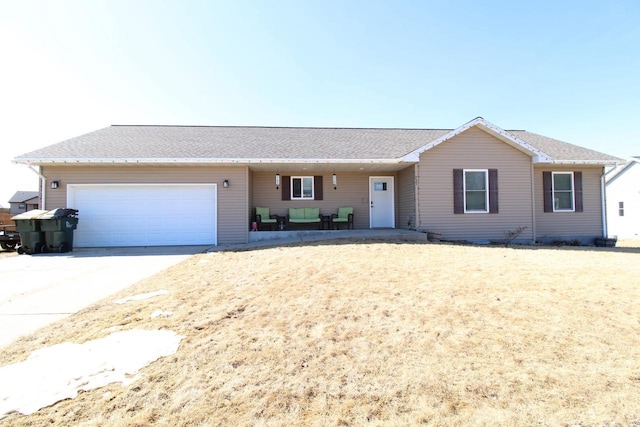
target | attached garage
[{"x": 144, "y": 214}]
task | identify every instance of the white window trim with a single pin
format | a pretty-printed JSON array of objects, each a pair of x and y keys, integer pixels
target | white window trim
[
  {"x": 313, "y": 185},
  {"x": 486, "y": 190},
  {"x": 553, "y": 191}
]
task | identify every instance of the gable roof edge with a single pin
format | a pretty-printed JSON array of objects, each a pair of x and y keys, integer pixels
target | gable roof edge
[
  {"x": 619, "y": 170},
  {"x": 538, "y": 155}
]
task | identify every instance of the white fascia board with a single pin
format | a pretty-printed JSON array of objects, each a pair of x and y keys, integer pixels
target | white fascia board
[
  {"x": 538, "y": 155},
  {"x": 52, "y": 161},
  {"x": 415, "y": 154},
  {"x": 579, "y": 162},
  {"x": 620, "y": 170}
]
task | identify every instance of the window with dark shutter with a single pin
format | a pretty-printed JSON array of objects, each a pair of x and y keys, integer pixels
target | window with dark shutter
[
  {"x": 475, "y": 191},
  {"x": 493, "y": 191},
  {"x": 458, "y": 191},
  {"x": 317, "y": 187},
  {"x": 577, "y": 185},
  {"x": 302, "y": 188},
  {"x": 286, "y": 188},
  {"x": 548, "y": 191}
]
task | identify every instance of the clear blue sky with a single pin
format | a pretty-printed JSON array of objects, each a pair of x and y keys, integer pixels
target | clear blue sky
[{"x": 565, "y": 69}]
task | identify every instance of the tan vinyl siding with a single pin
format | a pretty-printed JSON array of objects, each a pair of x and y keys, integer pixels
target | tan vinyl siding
[
  {"x": 569, "y": 225},
  {"x": 250, "y": 210},
  {"x": 232, "y": 202},
  {"x": 352, "y": 190},
  {"x": 475, "y": 149},
  {"x": 406, "y": 198}
]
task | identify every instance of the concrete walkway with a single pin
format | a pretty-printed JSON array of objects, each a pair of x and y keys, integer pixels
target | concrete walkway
[{"x": 40, "y": 289}]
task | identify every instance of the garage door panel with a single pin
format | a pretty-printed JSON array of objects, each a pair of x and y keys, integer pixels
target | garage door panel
[{"x": 144, "y": 215}]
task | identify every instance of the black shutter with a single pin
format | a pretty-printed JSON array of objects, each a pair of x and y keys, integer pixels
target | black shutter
[
  {"x": 317, "y": 188},
  {"x": 548, "y": 191},
  {"x": 493, "y": 191},
  {"x": 458, "y": 192},
  {"x": 286, "y": 188},
  {"x": 577, "y": 187}
]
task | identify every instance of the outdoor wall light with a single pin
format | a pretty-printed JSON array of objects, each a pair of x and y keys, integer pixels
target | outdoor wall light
[
  {"x": 55, "y": 184},
  {"x": 277, "y": 181},
  {"x": 225, "y": 183},
  {"x": 335, "y": 181}
]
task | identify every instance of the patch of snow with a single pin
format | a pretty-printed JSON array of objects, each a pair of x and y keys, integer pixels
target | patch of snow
[
  {"x": 55, "y": 373},
  {"x": 141, "y": 296},
  {"x": 159, "y": 313}
]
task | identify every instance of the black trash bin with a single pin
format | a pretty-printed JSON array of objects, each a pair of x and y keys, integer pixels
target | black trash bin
[
  {"x": 31, "y": 236},
  {"x": 58, "y": 226}
]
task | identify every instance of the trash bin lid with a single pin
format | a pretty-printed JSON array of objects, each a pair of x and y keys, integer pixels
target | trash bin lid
[
  {"x": 32, "y": 214},
  {"x": 59, "y": 213}
]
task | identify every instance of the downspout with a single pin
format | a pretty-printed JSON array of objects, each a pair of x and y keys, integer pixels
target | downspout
[
  {"x": 417, "y": 223},
  {"x": 603, "y": 189},
  {"x": 43, "y": 185}
]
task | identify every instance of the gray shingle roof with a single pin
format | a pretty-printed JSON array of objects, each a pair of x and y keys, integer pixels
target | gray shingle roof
[
  {"x": 560, "y": 150},
  {"x": 23, "y": 196},
  {"x": 271, "y": 143}
]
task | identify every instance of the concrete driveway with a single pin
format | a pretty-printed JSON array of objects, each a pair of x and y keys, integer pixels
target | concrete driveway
[{"x": 39, "y": 289}]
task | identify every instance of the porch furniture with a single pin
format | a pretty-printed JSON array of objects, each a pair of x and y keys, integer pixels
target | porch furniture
[
  {"x": 282, "y": 222},
  {"x": 263, "y": 218},
  {"x": 304, "y": 216},
  {"x": 344, "y": 216},
  {"x": 326, "y": 221}
]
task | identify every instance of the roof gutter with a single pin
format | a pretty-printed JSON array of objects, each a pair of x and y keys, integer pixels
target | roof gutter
[
  {"x": 69, "y": 161},
  {"x": 584, "y": 162}
]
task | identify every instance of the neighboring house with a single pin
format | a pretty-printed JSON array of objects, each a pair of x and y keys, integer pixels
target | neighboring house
[
  {"x": 23, "y": 201},
  {"x": 165, "y": 185},
  {"x": 623, "y": 200}
]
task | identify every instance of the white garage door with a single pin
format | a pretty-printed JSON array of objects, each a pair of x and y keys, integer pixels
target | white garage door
[{"x": 144, "y": 214}]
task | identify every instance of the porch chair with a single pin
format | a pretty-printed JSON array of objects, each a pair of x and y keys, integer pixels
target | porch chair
[
  {"x": 263, "y": 218},
  {"x": 344, "y": 216}
]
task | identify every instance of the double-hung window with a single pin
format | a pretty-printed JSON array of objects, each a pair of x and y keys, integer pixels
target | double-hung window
[
  {"x": 562, "y": 191},
  {"x": 302, "y": 188},
  {"x": 562, "y": 187},
  {"x": 476, "y": 190}
]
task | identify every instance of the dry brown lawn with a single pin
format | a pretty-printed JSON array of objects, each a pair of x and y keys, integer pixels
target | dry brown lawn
[{"x": 379, "y": 333}]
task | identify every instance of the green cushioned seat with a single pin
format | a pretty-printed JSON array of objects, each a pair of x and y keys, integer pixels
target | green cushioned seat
[
  {"x": 296, "y": 214},
  {"x": 304, "y": 215},
  {"x": 263, "y": 217},
  {"x": 312, "y": 213},
  {"x": 344, "y": 215}
]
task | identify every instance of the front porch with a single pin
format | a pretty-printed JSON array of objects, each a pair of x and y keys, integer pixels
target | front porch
[{"x": 378, "y": 199}]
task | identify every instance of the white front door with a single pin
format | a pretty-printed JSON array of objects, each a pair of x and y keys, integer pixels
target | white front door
[{"x": 381, "y": 206}]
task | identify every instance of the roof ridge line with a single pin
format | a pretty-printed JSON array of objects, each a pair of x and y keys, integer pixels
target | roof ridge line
[{"x": 281, "y": 127}]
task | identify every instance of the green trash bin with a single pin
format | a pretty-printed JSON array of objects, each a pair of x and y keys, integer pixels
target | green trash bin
[
  {"x": 58, "y": 226},
  {"x": 31, "y": 236}
]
